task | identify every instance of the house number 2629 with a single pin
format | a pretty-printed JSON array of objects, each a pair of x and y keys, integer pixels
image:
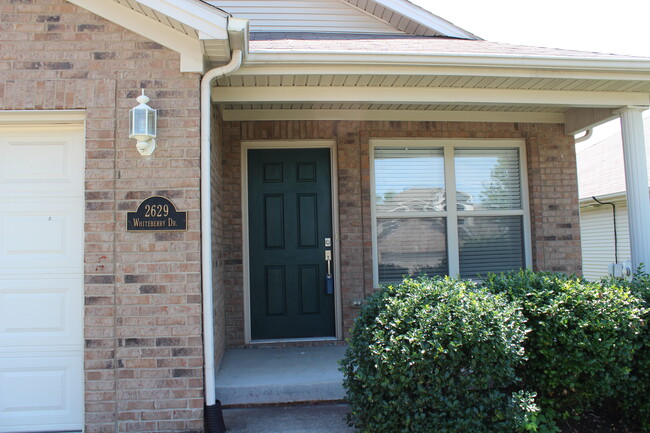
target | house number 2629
[{"x": 156, "y": 210}]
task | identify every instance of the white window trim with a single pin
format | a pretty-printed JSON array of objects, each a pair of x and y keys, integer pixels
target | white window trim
[{"x": 448, "y": 146}]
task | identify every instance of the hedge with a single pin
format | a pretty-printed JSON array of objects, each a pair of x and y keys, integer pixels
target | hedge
[{"x": 436, "y": 355}]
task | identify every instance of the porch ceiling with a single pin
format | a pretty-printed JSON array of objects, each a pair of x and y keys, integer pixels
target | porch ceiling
[{"x": 427, "y": 96}]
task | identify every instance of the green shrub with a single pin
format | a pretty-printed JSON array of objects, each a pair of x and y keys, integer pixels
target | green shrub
[
  {"x": 436, "y": 356},
  {"x": 633, "y": 396},
  {"x": 582, "y": 337}
]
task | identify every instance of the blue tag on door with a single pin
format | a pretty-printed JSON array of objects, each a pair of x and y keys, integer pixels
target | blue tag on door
[{"x": 329, "y": 284}]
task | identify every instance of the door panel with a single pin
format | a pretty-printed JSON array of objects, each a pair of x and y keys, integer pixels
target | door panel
[
  {"x": 41, "y": 279},
  {"x": 41, "y": 235},
  {"x": 36, "y": 312},
  {"x": 40, "y": 392},
  {"x": 290, "y": 215}
]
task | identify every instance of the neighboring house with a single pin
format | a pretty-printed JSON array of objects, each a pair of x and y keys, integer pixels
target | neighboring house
[
  {"x": 317, "y": 109},
  {"x": 601, "y": 174}
]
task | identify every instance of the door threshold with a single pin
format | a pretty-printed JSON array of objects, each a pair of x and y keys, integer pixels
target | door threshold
[{"x": 294, "y": 340}]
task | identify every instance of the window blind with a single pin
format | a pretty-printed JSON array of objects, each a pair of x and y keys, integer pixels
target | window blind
[
  {"x": 490, "y": 244},
  {"x": 413, "y": 221},
  {"x": 411, "y": 246},
  {"x": 487, "y": 179},
  {"x": 409, "y": 180}
]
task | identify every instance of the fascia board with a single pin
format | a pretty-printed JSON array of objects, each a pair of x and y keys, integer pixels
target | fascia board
[
  {"x": 418, "y": 95},
  {"x": 206, "y": 19},
  {"x": 426, "y": 18},
  {"x": 554, "y": 67}
]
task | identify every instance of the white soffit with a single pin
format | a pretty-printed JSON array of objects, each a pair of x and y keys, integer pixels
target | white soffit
[
  {"x": 190, "y": 27},
  {"x": 411, "y": 19}
]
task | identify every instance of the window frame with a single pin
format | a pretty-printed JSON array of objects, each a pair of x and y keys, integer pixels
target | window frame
[{"x": 452, "y": 214}]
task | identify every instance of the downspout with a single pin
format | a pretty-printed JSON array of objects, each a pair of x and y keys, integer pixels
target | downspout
[{"x": 206, "y": 222}]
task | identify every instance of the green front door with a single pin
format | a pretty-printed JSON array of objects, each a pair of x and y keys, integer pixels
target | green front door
[{"x": 290, "y": 219}]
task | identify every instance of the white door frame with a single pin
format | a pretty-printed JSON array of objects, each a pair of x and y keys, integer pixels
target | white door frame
[{"x": 291, "y": 144}]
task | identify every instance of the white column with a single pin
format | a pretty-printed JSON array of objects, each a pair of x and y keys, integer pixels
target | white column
[{"x": 636, "y": 179}]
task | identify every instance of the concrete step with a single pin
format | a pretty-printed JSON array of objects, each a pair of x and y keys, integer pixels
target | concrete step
[
  {"x": 280, "y": 375},
  {"x": 321, "y": 418}
]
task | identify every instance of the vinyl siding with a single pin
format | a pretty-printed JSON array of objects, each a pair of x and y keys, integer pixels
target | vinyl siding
[
  {"x": 304, "y": 16},
  {"x": 597, "y": 233}
]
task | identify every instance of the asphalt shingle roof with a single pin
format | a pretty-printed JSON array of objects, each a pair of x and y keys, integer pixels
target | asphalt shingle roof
[
  {"x": 404, "y": 44},
  {"x": 600, "y": 166}
]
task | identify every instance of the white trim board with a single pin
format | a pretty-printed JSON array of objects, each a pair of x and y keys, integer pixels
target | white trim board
[
  {"x": 537, "y": 66},
  {"x": 42, "y": 117},
  {"x": 416, "y": 95},
  {"x": 393, "y": 115},
  {"x": 291, "y": 144}
]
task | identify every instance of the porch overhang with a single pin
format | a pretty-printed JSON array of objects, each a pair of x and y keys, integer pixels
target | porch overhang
[{"x": 577, "y": 92}]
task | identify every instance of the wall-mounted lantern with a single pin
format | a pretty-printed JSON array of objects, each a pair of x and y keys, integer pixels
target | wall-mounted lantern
[{"x": 142, "y": 125}]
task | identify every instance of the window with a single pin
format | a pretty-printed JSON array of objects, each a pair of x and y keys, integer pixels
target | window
[{"x": 420, "y": 228}]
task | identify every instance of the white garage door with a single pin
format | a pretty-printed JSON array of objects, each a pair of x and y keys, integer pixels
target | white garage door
[{"x": 41, "y": 278}]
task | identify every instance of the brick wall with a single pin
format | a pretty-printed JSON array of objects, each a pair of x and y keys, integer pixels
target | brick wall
[
  {"x": 143, "y": 356},
  {"x": 552, "y": 186}
]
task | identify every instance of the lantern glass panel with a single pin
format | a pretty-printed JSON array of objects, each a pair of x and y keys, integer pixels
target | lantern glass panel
[
  {"x": 151, "y": 122},
  {"x": 139, "y": 121}
]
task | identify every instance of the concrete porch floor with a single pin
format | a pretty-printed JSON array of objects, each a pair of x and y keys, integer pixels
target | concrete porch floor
[{"x": 266, "y": 376}]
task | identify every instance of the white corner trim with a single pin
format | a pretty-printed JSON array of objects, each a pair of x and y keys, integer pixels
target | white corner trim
[
  {"x": 190, "y": 49},
  {"x": 393, "y": 115},
  {"x": 426, "y": 18}
]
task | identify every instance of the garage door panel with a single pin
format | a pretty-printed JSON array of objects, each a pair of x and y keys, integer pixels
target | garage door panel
[
  {"x": 41, "y": 278},
  {"x": 41, "y": 162},
  {"x": 41, "y": 235},
  {"x": 40, "y": 312},
  {"x": 36, "y": 161},
  {"x": 38, "y": 392}
]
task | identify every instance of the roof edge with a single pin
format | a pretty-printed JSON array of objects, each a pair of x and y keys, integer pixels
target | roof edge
[
  {"x": 194, "y": 13},
  {"x": 352, "y": 58}
]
